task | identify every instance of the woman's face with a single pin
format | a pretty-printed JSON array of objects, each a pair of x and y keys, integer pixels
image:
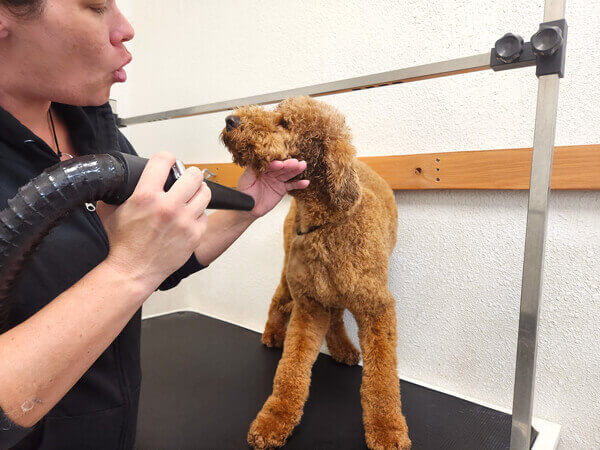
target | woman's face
[{"x": 72, "y": 53}]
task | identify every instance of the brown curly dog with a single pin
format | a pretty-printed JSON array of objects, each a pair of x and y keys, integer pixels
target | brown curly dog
[{"x": 338, "y": 237}]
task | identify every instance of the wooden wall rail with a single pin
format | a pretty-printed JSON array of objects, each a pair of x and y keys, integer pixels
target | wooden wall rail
[{"x": 576, "y": 167}]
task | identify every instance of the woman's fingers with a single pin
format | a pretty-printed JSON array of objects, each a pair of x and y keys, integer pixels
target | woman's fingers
[
  {"x": 187, "y": 185},
  {"x": 289, "y": 169},
  {"x": 155, "y": 175},
  {"x": 156, "y": 172},
  {"x": 198, "y": 203},
  {"x": 300, "y": 184},
  {"x": 274, "y": 166}
]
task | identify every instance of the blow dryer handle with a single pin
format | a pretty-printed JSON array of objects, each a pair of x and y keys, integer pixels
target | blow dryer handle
[{"x": 222, "y": 197}]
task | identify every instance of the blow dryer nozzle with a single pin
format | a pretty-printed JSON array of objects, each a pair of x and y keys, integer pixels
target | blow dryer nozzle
[{"x": 222, "y": 197}]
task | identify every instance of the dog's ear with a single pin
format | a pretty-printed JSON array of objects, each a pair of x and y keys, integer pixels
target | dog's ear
[{"x": 342, "y": 181}]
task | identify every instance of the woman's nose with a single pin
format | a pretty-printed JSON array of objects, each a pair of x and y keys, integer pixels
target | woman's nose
[
  {"x": 123, "y": 32},
  {"x": 232, "y": 122}
]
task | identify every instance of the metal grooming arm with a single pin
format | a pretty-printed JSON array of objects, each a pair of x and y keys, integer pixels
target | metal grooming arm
[{"x": 416, "y": 73}]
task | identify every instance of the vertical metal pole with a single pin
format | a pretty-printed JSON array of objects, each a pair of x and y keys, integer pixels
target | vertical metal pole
[
  {"x": 113, "y": 105},
  {"x": 533, "y": 264}
]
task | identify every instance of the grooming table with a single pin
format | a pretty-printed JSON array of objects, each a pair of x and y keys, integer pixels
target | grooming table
[{"x": 205, "y": 380}]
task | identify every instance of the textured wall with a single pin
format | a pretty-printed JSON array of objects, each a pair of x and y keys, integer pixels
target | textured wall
[{"x": 456, "y": 271}]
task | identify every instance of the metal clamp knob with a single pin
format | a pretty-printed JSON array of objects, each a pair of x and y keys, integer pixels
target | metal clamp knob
[
  {"x": 509, "y": 47},
  {"x": 547, "y": 40}
]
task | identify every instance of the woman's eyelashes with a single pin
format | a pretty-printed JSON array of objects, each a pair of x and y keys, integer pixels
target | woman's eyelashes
[{"x": 99, "y": 8}]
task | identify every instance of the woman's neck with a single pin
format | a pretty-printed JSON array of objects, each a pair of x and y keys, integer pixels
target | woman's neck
[{"x": 31, "y": 112}]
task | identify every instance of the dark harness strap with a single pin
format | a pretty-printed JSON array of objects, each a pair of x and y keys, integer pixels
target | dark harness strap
[{"x": 310, "y": 230}]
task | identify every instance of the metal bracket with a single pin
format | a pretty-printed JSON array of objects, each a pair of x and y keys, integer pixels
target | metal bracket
[
  {"x": 208, "y": 174},
  {"x": 550, "y": 33},
  {"x": 546, "y": 50},
  {"x": 524, "y": 58}
]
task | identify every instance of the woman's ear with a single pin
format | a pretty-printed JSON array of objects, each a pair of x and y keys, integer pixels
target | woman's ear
[{"x": 342, "y": 180}]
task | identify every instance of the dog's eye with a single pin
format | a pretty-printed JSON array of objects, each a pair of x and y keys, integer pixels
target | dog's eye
[{"x": 283, "y": 123}]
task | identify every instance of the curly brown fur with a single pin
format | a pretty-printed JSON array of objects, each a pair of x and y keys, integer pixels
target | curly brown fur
[{"x": 341, "y": 265}]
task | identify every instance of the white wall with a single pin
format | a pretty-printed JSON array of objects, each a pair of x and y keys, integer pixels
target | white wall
[{"x": 456, "y": 271}]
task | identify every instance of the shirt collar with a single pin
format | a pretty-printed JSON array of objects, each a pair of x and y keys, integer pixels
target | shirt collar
[{"x": 92, "y": 130}]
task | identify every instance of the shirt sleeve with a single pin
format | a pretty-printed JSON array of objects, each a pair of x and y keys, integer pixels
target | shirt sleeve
[
  {"x": 192, "y": 265},
  {"x": 10, "y": 432}
]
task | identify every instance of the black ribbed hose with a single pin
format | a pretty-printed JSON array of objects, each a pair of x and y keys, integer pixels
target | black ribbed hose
[{"x": 49, "y": 197}]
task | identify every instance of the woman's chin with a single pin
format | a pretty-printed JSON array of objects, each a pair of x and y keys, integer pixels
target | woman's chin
[
  {"x": 98, "y": 101},
  {"x": 100, "y": 98}
]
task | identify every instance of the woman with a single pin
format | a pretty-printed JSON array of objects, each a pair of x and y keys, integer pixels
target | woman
[{"x": 69, "y": 364}]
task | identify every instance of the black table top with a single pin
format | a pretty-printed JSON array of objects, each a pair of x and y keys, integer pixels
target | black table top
[{"x": 205, "y": 380}]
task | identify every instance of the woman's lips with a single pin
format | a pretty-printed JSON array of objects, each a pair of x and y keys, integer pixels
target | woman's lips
[{"x": 119, "y": 75}]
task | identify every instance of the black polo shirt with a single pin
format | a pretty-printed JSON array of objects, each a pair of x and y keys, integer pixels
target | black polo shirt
[{"x": 100, "y": 411}]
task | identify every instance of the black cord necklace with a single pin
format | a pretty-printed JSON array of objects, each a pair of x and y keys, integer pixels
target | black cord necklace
[
  {"x": 90, "y": 206},
  {"x": 58, "y": 152}
]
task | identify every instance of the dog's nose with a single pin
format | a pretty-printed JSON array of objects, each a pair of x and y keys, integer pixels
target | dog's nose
[{"x": 232, "y": 122}]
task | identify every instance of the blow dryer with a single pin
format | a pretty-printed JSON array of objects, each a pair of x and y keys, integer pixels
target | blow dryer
[
  {"x": 222, "y": 196},
  {"x": 41, "y": 203}
]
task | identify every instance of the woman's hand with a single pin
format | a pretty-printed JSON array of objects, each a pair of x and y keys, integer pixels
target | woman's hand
[
  {"x": 269, "y": 188},
  {"x": 154, "y": 232}
]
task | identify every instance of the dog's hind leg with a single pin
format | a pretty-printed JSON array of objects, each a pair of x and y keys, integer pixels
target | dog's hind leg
[
  {"x": 279, "y": 314},
  {"x": 385, "y": 426},
  {"x": 283, "y": 409},
  {"x": 338, "y": 343}
]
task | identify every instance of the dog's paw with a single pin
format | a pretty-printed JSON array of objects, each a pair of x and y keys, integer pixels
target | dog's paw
[
  {"x": 387, "y": 433},
  {"x": 268, "y": 431},
  {"x": 388, "y": 439},
  {"x": 273, "y": 337},
  {"x": 346, "y": 355}
]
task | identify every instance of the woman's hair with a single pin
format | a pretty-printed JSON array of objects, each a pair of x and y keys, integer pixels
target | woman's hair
[{"x": 23, "y": 8}]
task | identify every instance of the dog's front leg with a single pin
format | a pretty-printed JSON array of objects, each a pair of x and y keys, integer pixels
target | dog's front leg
[
  {"x": 283, "y": 409},
  {"x": 279, "y": 314},
  {"x": 385, "y": 426}
]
